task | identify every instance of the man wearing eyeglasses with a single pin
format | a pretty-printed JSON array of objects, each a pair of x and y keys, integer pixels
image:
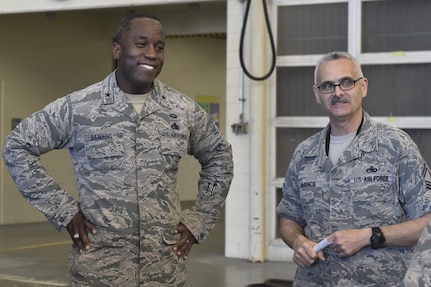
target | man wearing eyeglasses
[{"x": 360, "y": 186}]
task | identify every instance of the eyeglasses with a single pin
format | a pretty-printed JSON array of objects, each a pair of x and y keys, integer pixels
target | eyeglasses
[{"x": 345, "y": 85}]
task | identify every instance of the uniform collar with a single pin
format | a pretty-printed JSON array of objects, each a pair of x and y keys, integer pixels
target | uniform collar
[
  {"x": 113, "y": 97},
  {"x": 365, "y": 141}
]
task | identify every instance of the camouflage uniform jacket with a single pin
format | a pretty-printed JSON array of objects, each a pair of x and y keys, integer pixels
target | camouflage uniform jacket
[
  {"x": 380, "y": 179},
  {"x": 126, "y": 169},
  {"x": 419, "y": 271}
]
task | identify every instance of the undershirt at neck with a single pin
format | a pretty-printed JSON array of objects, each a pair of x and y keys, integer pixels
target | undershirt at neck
[
  {"x": 338, "y": 144},
  {"x": 137, "y": 101}
]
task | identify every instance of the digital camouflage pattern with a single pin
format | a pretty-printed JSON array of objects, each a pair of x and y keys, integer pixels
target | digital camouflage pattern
[
  {"x": 126, "y": 169},
  {"x": 419, "y": 271},
  {"x": 380, "y": 179}
]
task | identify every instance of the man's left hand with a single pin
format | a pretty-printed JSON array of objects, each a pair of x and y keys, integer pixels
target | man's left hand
[{"x": 184, "y": 244}]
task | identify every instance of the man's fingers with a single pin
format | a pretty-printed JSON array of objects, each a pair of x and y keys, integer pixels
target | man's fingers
[
  {"x": 78, "y": 229},
  {"x": 183, "y": 247},
  {"x": 90, "y": 226},
  {"x": 187, "y": 246},
  {"x": 76, "y": 238},
  {"x": 81, "y": 240}
]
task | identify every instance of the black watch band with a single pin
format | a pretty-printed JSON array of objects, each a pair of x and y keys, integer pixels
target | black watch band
[{"x": 377, "y": 239}]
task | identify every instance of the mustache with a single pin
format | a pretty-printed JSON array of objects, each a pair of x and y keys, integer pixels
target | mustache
[{"x": 336, "y": 100}]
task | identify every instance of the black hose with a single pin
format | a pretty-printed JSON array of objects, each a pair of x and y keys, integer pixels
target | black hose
[{"x": 271, "y": 39}]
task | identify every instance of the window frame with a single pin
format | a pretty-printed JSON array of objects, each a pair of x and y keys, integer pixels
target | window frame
[{"x": 276, "y": 245}]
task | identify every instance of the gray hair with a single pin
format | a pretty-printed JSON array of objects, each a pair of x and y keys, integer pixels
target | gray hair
[{"x": 336, "y": 56}]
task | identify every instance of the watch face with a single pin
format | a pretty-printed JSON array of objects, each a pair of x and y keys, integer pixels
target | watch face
[{"x": 377, "y": 239}]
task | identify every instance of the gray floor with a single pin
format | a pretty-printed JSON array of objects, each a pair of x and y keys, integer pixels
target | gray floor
[{"x": 36, "y": 255}]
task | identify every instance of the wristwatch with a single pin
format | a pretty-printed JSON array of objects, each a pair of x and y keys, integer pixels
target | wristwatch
[{"x": 377, "y": 238}]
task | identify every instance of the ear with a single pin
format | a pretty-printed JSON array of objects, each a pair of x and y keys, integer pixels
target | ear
[
  {"x": 364, "y": 87},
  {"x": 316, "y": 94},
  {"x": 116, "y": 50}
]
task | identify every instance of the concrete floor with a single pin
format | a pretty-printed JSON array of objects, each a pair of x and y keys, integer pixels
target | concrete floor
[{"x": 36, "y": 255}]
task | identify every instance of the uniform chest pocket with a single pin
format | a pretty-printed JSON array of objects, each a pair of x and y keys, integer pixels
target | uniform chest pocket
[
  {"x": 372, "y": 188},
  {"x": 314, "y": 201},
  {"x": 105, "y": 151},
  {"x": 172, "y": 150},
  {"x": 373, "y": 199}
]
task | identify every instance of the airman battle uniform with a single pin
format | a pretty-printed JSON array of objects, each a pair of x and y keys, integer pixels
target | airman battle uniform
[
  {"x": 419, "y": 271},
  {"x": 126, "y": 168},
  {"x": 380, "y": 179}
]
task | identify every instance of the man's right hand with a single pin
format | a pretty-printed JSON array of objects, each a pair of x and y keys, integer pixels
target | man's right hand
[
  {"x": 77, "y": 229},
  {"x": 305, "y": 255}
]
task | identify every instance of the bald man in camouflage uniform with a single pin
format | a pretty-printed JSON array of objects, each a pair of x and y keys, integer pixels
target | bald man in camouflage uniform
[
  {"x": 128, "y": 228},
  {"x": 419, "y": 271},
  {"x": 359, "y": 183}
]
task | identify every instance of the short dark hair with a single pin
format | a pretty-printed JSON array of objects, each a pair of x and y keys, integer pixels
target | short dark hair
[{"x": 125, "y": 24}]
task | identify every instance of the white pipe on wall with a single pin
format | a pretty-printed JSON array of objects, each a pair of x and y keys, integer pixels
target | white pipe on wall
[{"x": 258, "y": 96}]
